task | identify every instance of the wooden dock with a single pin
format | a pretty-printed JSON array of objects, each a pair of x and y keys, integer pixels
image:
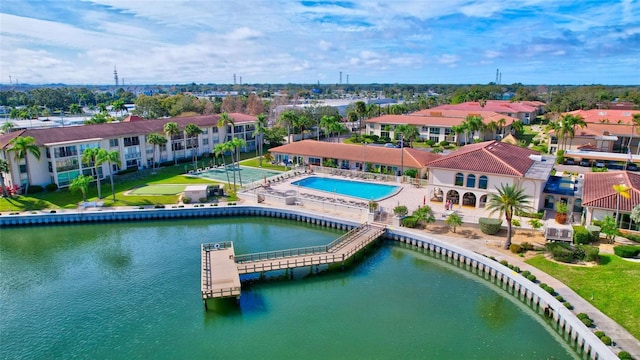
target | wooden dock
[{"x": 221, "y": 269}]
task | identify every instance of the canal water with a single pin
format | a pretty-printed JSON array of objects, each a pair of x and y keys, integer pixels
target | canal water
[{"x": 132, "y": 291}]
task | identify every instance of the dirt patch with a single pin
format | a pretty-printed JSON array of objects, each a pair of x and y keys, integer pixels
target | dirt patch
[{"x": 472, "y": 231}]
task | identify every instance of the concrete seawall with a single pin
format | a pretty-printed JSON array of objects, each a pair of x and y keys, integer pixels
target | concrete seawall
[{"x": 579, "y": 337}]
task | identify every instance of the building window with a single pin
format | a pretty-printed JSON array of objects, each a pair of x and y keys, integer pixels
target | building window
[
  {"x": 459, "y": 179},
  {"x": 113, "y": 142},
  {"x": 48, "y": 152},
  {"x": 471, "y": 180},
  {"x": 483, "y": 182},
  {"x": 205, "y": 130},
  {"x": 434, "y": 131},
  {"x": 65, "y": 151},
  {"x": 205, "y": 141},
  {"x": 131, "y": 141},
  {"x": 23, "y": 168},
  {"x": 435, "y": 139},
  {"x": 214, "y": 130}
]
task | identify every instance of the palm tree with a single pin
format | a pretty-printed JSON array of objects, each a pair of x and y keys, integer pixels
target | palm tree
[
  {"x": 75, "y": 109},
  {"x": 569, "y": 123},
  {"x": 220, "y": 150},
  {"x": 492, "y": 126},
  {"x": 261, "y": 128},
  {"x": 409, "y": 132},
  {"x": 4, "y": 168},
  {"x": 473, "y": 123},
  {"x": 517, "y": 126},
  {"x": 22, "y": 146},
  {"x": 156, "y": 140},
  {"x": 501, "y": 123},
  {"x": 620, "y": 189},
  {"x": 118, "y": 106},
  {"x": 288, "y": 118},
  {"x": 192, "y": 131},
  {"x": 172, "y": 129},
  {"x": 81, "y": 183},
  {"x": 109, "y": 157},
  {"x": 458, "y": 129},
  {"x": 360, "y": 109},
  {"x": 7, "y": 127},
  {"x": 89, "y": 158},
  {"x": 509, "y": 200},
  {"x": 327, "y": 122},
  {"x": 235, "y": 144}
]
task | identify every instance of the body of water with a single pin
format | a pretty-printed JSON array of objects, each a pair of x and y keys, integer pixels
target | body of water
[
  {"x": 358, "y": 189},
  {"x": 132, "y": 291}
]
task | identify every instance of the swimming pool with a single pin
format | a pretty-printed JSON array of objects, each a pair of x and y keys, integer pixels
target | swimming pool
[
  {"x": 249, "y": 174},
  {"x": 357, "y": 189}
]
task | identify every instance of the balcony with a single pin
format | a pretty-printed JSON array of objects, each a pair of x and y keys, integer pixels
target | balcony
[{"x": 129, "y": 156}]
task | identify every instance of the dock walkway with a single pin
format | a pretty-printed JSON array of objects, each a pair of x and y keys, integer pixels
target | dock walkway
[{"x": 221, "y": 268}]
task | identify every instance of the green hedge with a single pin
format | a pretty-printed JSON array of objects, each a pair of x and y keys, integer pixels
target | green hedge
[
  {"x": 51, "y": 187},
  {"x": 632, "y": 237},
  {"x": 627, "y": 251},
  {"x": 490, "y": 226},
  {"x": 591, "y": 253},
  {"x": 34, "y": 189},
  {"x": 581, "y": 235}
]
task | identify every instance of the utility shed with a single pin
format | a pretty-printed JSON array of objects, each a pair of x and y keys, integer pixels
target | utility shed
[{"x": 195, "y": 192}]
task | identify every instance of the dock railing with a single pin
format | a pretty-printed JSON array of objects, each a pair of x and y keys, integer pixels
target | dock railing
[{"x": 310, "y": 250}]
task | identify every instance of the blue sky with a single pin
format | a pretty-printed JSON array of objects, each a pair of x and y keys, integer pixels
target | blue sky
[{"x": 415, "y": 41}]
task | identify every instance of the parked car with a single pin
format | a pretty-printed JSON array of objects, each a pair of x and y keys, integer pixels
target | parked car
[
  {"x": 569, "y": 161},
  {"x": 600, "y": 164},
  {"x": 614, "y": 165},
  {"x": 585, "y": 163},
  {"x": 632, "y": 167},
  {"x": 391, "y": 145}
]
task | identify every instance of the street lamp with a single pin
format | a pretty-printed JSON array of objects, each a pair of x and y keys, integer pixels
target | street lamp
[
  {"x": 364, "y": 156},
  {"x": 401, "y": 154}
]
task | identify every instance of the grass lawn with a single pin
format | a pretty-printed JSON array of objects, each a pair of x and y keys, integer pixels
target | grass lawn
[
  {"x": 158, "y": 189},
  {"x": 614, "y": 286},
  {"x": 267, "y": 165}
]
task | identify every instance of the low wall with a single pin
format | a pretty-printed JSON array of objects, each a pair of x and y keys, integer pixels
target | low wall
[{"x": 567, "y": 324}]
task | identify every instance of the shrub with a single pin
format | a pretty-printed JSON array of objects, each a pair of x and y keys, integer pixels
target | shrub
[
  {"x": 559, "y": 298},
  {"x": 516, "y": 269},
  {"x": 591, "y": 253},
  {"x": 186, "y": 200},
  {"x": 202, "y": 199},
  {"x": 581, "y": 235},
  {"x": 606, "y": 340},
  {"x": 582, "y": 316},
  {"x": 599, "y": 334},
  {"x": 623, "y": 355},
  {"x": 490, "y": 226},
  {"x": 429, "y": 142},
  {"x": 588, "y": 322},
  {"x": 632, "y": 237},
  {"x": 526, "y": 246},
  {"x": 548, "y": 288},
  {"x": 525, "y": 273},
  {"x": 504, "y": 262},
  {"x": 444, "y": 143},
  {"x": 515, "y": 248},
  {"x": 568, "y": 305},
  {"x": 627, "y": 251},
  {"x": 410, "y": 222},
  {"x": 534, "y": 215},
  {"x": 400, "y": 210},
  {"x": 51, "y": 187},
  {"x": 531, "y": 278},
  {"x": 559, "y": 252},
  {"x": 34, "y": 189}
]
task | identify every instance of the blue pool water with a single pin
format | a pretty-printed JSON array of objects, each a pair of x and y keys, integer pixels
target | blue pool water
[{"x": 357, "y": 189}]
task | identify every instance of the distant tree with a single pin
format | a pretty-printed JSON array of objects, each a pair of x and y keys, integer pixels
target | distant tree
[
  {"x": 75, "y": 109},
  {"x": 119, "y": 106},
  {"x": 287, "y": 119},
  {"x": 274, "y": 135},
  {"x": 7, "y": 127},
  {"x": 22, "y": 146}
]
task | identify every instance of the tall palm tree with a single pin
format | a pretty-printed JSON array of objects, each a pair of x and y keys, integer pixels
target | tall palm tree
[
  {"x": 109, "y": 157},
  {"x": 118, "y": 106},
  {"x": 89, "y": 158},
  {"x": 473, "y": 124},
  {"x": 569, "y": 123},
  {"x": 4, "y": 168},
  {"x": 492, "y": 126},
  {"x": 172, "y": 129},
  {"x": 22, "y": 146},
  {"x": 220, "y": 150},
  {"x": 192, "y": 131},
  {"x": 409, "y": 132},
  {"x": 235, "y": 144},
  {"x": 501, "y": 123},
  {"x": 458, "y": 129},
  {"x": 326, "y": 122},
  {"x": 156, "y": 140},
  {"x": 361, "y": 109},
  {"x": 261, "y": 128},
  {"x": 509, "y": 200},
  {"x": 81, "y": 183}
]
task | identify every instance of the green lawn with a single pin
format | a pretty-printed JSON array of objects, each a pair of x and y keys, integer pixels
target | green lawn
[
  {"x": 158, "y": 189},
  {"x": 266, "y": 164},
  {"x": 613, "y": 286}
]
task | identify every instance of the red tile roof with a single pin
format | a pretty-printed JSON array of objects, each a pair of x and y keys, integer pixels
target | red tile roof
[
  {"x": 445, "y": 118},
  {"x": 490, "y": 157},
  {"x": 596, "y": 116},
  {"x": 121, "y": 129},
  {"x": 412, "y": 158},
  {"x": 6, "y": 138},
  {"x": 598, "y": 190}
]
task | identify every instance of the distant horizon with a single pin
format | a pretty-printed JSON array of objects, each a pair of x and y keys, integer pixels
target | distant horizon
[{"x": 457, "y": 42}]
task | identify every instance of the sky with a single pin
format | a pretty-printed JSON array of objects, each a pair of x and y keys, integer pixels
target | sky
[{"x": 265, "y": 41}]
